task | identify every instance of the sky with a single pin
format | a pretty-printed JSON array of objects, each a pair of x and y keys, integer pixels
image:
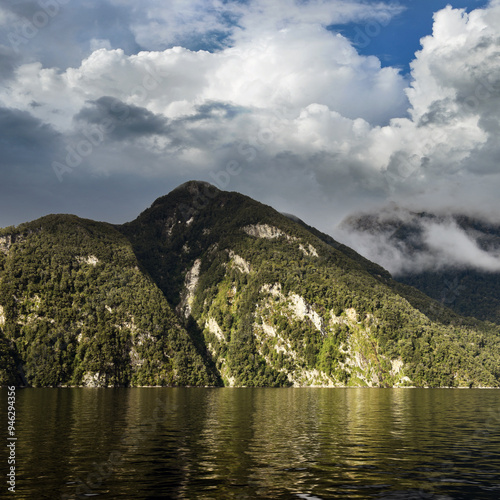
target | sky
[{"x": 320, "y": 108}]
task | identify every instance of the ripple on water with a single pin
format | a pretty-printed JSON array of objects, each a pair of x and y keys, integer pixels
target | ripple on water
[{"x": 258, "y": 443}]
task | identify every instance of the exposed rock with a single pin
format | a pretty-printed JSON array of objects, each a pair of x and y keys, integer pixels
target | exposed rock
[
  {"x": 297, "y": 304},
  {"x": 229, "y": 381},
  {"x": 190, "y": 283},
  {"x": 274, "y": 289},
  {"x": 239, "y": 262},
  {"x": 311, "y": 378},
  {"x": 169, "y": 225},
  {"x": 310, "y": 251},
  {"x": 397, "y": 364},
  {"x": 404, "y": 381},
  {"x": 266, "y": 231},
  {"x": 94, "y": 380},
  {"x": 352, "y": 315},
  {"x": 336, "y": 320},
  {"x": 135, "y": 359},
  {"x": 5, "y": 243},
  {"x": 214, "y": 328},
  {"x": 92, "y": 260},
  {"x": 303, "y": 310},
  {"x": 8, "y": 240},
  {"x": 269, "y": 330}
]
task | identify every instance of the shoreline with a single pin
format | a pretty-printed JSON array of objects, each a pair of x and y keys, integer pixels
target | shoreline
[{"x": 244, "y": 387}]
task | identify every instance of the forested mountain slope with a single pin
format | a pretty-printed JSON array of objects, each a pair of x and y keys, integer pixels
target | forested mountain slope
[
  {"x": 75, "y": 308},
  {"x": 208, "y": 287}
]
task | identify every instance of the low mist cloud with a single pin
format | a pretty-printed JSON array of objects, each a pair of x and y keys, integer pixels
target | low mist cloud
[{"x": 405, "y": 242}]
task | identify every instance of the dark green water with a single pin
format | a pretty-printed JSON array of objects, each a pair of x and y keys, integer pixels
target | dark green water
[{"x": 255, "y": 443}]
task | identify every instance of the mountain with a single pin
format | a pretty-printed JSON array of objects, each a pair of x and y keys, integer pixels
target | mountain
[
  {"x": 208, "y": 287},
  {"x": 76, "y": 308},
  {"x": 453, "y": 258}
]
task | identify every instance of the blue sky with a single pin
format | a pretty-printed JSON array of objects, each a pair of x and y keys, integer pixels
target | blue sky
[
  {"x": 106, "y": 105},
  {"x": 396, "y": 41}
]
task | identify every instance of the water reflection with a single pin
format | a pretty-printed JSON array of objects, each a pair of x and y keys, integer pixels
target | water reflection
[{"x": 258, "y": 443}]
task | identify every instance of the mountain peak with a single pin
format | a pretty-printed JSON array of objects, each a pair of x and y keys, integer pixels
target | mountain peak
[
  {"x": 184, "y": 199},
  {"x": 196, "y": 187},
  {"x": 190, "y": 192}
]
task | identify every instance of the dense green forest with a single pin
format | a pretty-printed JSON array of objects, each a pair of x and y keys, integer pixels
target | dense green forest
[
  {"x": 78, "y": 310},
  {"x": 213, "y": 288}
]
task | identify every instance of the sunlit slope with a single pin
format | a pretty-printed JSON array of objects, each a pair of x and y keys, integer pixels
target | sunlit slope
[{"x": 275, "y": 304}]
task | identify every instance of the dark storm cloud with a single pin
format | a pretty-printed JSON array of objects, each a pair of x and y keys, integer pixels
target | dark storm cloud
[
  {"x": 29, "y": 188},
  {"x": 25, "y": 8},
  {"x": 24, "y": 140},
  {"x": 59, "y": 33},
  {"x": 123, "y": 121},
  {"x": 27, "y": 146},
  {"x": 214, "y": 110},
  {"x": 119, "y": 121},
  {"x": 8, "y": 61}
]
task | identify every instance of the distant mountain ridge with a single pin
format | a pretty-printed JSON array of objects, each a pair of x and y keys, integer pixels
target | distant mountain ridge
[{"x": 208, "y": 287}]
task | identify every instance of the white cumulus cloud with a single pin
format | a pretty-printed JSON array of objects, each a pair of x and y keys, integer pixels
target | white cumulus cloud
[{"x": 314, "y": 126}]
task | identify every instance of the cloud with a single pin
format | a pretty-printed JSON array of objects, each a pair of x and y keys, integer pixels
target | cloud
[
  {"x": 200, "y": 109},
  {"x": 274, "y": 72},
  {"x": 59, "y": 33},
  {"x": 458, "y": 248},
  {"x": 24, "y": 140},
  {"x": 26, "y": 148},
  {"x": 312, "y": 126},
  {"x": 7, "y": 63},
  {"x": 215, "y": 24},
  {"x": 122, "y": 121},
  {"x": 406, "y": 242}
]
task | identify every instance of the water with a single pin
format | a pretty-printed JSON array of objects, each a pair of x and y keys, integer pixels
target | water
[{"x": 256, "y": 443}]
